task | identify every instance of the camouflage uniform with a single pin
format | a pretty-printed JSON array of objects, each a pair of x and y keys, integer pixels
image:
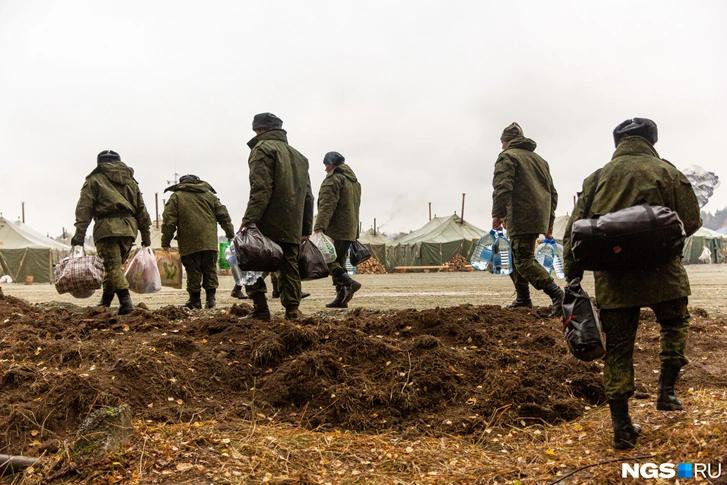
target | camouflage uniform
[
  {"x": 637, "y": 175},
  {"x": 193, "y": 212},
  {"x": 281, "y": 205},
  {"x": 112, "y": 199},
  {"x": 524, "y": 196}
]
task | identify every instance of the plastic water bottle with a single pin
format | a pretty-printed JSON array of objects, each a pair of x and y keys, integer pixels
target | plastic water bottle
[
  {"x": 481, "y": 259},
  {"x": 545, "y": 254},
  {"x": 250, "y": 277},
  {"x": 231, "y": 258},
  {"x": 558, "y": 264},
  {"x": 503, "y": 256}
]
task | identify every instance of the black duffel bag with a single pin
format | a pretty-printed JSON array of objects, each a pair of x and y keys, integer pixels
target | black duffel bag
[
  {"x": 638, "y": 237},
  {"x": 255, "y": 252},
  {"x": 358, "y": 253},
  {"x": 311, "y": 263},
  {"x": 581, "y": 325}
]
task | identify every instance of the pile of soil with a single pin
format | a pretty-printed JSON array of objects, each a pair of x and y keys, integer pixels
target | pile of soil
[{"x": 441, "y": 371}]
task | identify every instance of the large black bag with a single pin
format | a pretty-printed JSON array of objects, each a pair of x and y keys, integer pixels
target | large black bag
[
  {"x": 255, "y": 252},
  {"x": 638, "y": 237},
  {"x": 311, "y": 263},
  {"x": 358, "y": 253},
  {"x": 581, "y": 325}
]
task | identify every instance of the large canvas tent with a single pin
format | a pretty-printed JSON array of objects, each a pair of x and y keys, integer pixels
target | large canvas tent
[
  {"x": 704, "y": 246},
  {"x": 559, "y": 225},
  {"x": 434, "y": 244},
  {"x": 376, "y": 244},
  {"x": 25, "y": 252}
]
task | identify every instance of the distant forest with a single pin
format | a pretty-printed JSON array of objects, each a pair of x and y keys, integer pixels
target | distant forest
[{"x": 715, "y": 221}]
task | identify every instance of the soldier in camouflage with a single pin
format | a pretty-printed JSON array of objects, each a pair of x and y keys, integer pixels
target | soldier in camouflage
[
  {"x": 193, "y": 212},
  {"x": 338, "y": 204},
  {"x": 524, "y": 201},
  {"x": 636, "y": 175},
  {"x": 111, "y": 198},
  {"x": 281, "y": 206}
]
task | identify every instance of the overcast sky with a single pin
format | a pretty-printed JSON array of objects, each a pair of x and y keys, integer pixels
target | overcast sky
[{"x": 414, "y": 94}]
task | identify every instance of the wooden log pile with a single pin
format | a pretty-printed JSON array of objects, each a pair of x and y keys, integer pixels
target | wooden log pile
[
  {"x": 458, "y": 263},
  {"x": 371, "y": 266}
]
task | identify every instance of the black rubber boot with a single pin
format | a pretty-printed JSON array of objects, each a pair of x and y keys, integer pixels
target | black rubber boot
[
  {"x": 106, "y": 298},
  {"x": 276, "y": 293},
  {"x": 238, "y": 293},
  {"x": 210, "y": 299},
  {"x": 125, "y": 304},
  {"x": 350, "y": 286},
  {"x": 667, "y": 399},
  {"x": 522, "y": 298},
  {"x": 338, "y": 301},
  {"x": 293, "y": 313},
  {"x": 195, "y": 300},
  {"x": 260, "y": 310},
  {"x": 556, "y": 297},
  {"x": 625, "y": 432}
]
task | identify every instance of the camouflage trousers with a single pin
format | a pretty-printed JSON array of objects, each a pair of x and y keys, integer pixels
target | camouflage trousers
[
  {"x": 620, "y": 327},
  {"x": 288, "y": 277},
  {"x": 201, "y": 270},
  {"x": 114, "y": 251},
  {"x": 527, "y": 270},
  {"x": 338, "y": 267}
]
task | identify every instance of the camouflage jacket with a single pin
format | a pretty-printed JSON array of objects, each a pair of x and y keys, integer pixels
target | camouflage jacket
[
  {"x": 338, "y": 204},
  {"x": 193, "y": 212},
  {"x": 636, "y": 175}
]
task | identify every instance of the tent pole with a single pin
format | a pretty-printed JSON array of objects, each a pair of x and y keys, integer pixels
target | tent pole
[
  {"x": 374, "y": 226},
  {"x": 430, "y": 211},
  {"x": 461, "y": 214},
  {"x": 22, "y": 209},
  {"x": 156, "y": 203}
]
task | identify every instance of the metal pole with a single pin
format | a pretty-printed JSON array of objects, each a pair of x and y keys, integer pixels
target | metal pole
[
  {"x": 156, "y": 203},
  {"x": 22, "y": 208},
  {"x": 374, "y": 226},
  {"x": 430, "y": 211},
  {"x": 461, "y": 214}
]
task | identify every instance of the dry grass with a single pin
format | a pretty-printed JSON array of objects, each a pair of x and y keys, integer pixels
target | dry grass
[{"x": 262, "y": 451}]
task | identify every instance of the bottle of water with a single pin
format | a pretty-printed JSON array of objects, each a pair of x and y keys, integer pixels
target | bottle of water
[
  {"x": 545, "y": 254},
  {"x": 250, "y": 277},
  {"x": 558, "y": 264},
  {"x": 482, "y": 255},
  {"x": 504, "y": 255},
  {"x": 231, "y": 258}
]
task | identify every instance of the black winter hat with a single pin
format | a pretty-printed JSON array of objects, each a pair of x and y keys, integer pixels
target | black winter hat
[
  {"x": 333, "y": 158},
  {"x": 266, "y": 121},
  {"x": 188, "y": 179},
  {"x": 108, "y": 156},
  {"x": 643, "y": 127}
]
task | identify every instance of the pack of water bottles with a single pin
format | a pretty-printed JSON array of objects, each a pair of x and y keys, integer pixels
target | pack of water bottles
[
  {"x": 550, "y": 256},
  {"x": 242, "y": 278},
  {"x": 493, "y": 253}
]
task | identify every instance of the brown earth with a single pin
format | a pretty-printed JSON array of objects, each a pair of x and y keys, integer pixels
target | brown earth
[{"x": 440, "y": 371}]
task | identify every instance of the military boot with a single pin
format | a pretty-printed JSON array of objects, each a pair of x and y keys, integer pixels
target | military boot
[
  {"x": 195, "y": 300},
  {"x": 125, "y": 304},
  {"x": 350, "y": 286},
  {"x": 303, "y": 294},
  {"x": 624, "y": 431},
  {"x": 522, "y": 298},
  {"x": 667, "y": 399},
  {"x": 293, "y": 313},
  {"x": 260, "y": 310},
  {"x": 556, "y": 297},
  {"x": 210, "y": 300},
  {"x": 238, "y": 293},
  {"x": 338, "y": 301},
  {"x": 106, "y": 298}
]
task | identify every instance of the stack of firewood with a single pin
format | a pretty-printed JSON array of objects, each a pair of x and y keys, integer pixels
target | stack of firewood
[
  {"x": 371, "y": 266},
  {"x": 457, "y": 263}
]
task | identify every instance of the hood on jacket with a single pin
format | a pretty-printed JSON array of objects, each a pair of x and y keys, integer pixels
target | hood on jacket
[
  {"x": 635, "y": 145},
  {"x": 199, "y": 187},
  {"x": 118, "y": 172},
  {"x": 522, "y": 143},
  {"x": 346, "y": 171},
  {"x": 279, "y": 135}
]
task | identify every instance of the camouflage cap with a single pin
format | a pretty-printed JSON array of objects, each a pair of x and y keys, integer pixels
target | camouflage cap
[
  {"x": 643, "y": 127},
  {"x": 266, "y": 121},
  {"x": 511, "y": 131},
  {"x": 108, "y": 156},
  {"x": 333, "y": 158}
]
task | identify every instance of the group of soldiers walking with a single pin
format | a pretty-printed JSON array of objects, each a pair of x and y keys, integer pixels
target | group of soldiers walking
[{"x": 524, "y": 202}]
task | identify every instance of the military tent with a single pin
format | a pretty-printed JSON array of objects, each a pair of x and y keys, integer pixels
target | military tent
[
  {"x": 704, "y": 246},
  {"x": 434, "y": 244},
  {"x": 376, "y": 244},
  {"x": 559, "y": 225},
  {"x": 25, "y": 252}
]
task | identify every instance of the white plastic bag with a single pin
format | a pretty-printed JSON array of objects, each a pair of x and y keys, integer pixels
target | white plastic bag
[
  {"x": 325, "y": 246},
  {"x": 143, "y": 274},
  {"x": 78, "y": 274}
]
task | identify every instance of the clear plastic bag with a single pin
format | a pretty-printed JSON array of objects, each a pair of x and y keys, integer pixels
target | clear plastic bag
[
  {"x": 79, "y": 274},
  {"x": 169, "y": 263},
  {"x": 325, "y": 246},
  {"x": 143, "y": 274}
]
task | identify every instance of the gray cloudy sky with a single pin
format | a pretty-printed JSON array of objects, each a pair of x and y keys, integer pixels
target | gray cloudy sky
[{"x": 414, "y": 94}]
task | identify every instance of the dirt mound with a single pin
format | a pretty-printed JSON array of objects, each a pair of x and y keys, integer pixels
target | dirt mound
[{"x": 450, "y": 370}]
